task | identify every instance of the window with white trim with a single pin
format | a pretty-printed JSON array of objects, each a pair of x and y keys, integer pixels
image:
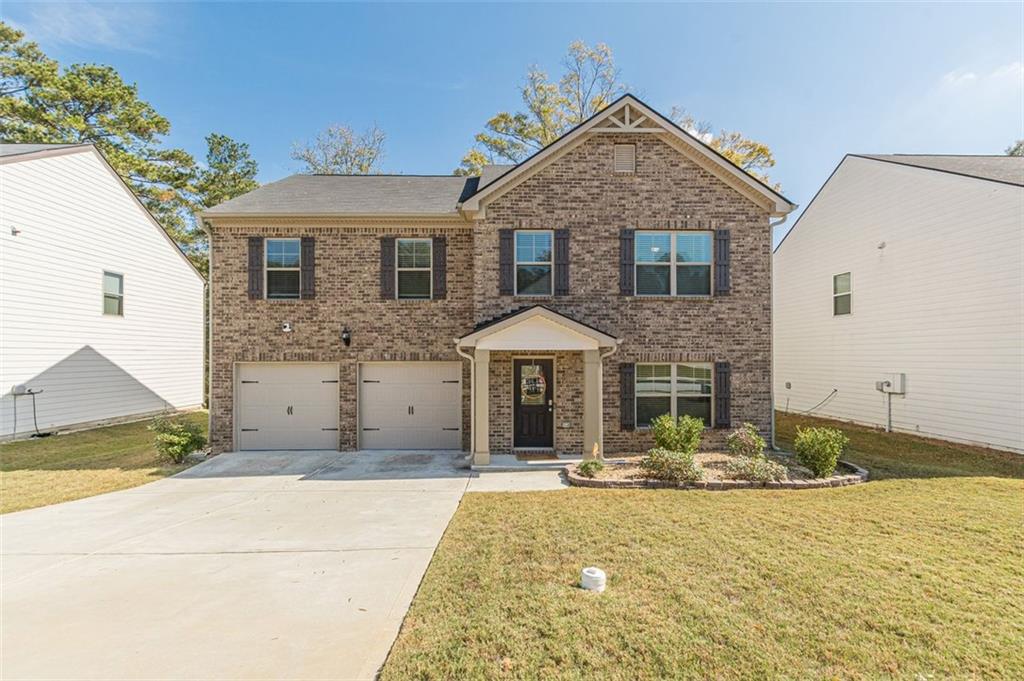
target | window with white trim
[
  {"x": 113, "y": 294},
  {"x": 842, "y": 294},
  {"x": 673, "y": 263},
  {"x": 414, "y": 268},
  {"x": 676, "y": 389},
  {"x": 284, "y": 261},
  {"x": 534, "y": 262}
]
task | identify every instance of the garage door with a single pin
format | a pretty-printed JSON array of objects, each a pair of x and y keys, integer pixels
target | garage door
[
  {"x": 287, "y": 405},
  {"x": 410, "y": 405}
]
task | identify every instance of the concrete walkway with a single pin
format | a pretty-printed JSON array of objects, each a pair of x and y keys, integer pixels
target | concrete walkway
[{"x": 269, "y": 565}]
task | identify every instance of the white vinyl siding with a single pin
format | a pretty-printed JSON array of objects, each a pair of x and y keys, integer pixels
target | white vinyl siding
[
  {"x": 75, "y": 220},
  {"x": 942, "y": 302}
]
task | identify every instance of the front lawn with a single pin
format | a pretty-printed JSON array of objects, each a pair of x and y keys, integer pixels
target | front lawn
[
  {"x": 66, "y": 467},
  {"x": 916, "y": 574}
]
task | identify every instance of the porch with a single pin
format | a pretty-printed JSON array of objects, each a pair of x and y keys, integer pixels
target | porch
[{"x": 537, "y": 381}]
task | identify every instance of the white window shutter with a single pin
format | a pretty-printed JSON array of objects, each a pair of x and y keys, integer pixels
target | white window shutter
[{"x": 625, "y": 158}]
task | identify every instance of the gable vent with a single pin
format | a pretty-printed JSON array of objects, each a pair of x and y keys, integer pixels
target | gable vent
[{"x": 625, "y": 158}]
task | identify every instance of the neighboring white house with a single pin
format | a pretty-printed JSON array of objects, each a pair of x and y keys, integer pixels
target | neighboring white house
[
  {"x": 101, "y": 315},
  {"x": 908, "y": 269}
]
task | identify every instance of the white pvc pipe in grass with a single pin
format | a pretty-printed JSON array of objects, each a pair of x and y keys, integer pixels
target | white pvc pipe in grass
[{"x": 592, "y": 579}]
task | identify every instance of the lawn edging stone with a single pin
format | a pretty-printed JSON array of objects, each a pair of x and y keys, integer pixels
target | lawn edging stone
[{"x": 852, "y": 475}]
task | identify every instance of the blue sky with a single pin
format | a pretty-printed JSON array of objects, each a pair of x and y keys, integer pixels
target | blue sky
[{"x": 814, "y": 81}]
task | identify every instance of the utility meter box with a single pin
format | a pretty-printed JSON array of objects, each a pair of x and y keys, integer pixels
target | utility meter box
[{"x": 895, "y": 384}]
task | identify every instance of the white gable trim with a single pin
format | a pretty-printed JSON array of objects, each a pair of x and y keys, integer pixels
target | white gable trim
[
  {"x": 537, "y": 328},
  {"x": 636, "y": 117}
]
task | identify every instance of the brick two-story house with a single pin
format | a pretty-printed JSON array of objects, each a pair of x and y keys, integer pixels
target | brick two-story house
[{"x": 556, "y": 305}]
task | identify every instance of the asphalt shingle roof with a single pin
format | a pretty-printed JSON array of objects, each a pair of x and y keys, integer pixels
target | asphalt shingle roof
[
  {"x": 999, "y": 168},
  {"x": 353, "y": 195},
  {"x": 18, "y": 149}
]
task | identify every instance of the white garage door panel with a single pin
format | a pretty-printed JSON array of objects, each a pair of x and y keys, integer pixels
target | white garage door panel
[
  {"x": 267, "y": 391},
  {"x": 411, "y": 405}
]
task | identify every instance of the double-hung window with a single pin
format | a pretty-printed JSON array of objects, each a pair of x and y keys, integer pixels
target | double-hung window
[
  {"x": 284, "y": 261},
  {"x": 534, "y": 263},
  {"x": 842, "y": 294},
  {"x": 676, "y": 389},
  {"x": 414, "y": 268},
  {"x": 113, "y": 294},
  {"x": 673, "y": 263}
]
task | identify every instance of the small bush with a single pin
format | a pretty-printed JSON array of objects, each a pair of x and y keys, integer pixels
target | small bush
[
  {"x": 746, "y": 441},
  {"x": 589, "y": 469},
  {"x": 677, "y": 435},
  {"x": 819, "y": 449},
  {"x": 757, "y": 468},
  {"x": 177, "y": 438},
  {"x": 662, "y": 464}
]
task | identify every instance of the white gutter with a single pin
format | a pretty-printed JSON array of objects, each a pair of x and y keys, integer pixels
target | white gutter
[
  {"x": 472, "y": 397},
  {"x": 771, "y": 327}
]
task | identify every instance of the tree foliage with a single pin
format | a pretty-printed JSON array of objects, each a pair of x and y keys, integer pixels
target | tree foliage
[
  {"x": 1016, "y": 149},
  {"x": 339, "y": 150},
  {"x": 42, "y": 103},
  {"x": 589, "y": 82}
]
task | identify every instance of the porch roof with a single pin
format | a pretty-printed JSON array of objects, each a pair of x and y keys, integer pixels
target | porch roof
[{"x": 536, "y": 328}]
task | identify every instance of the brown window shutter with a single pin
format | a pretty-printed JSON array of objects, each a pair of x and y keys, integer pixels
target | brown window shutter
[
  {"x": 440, "y": 255},
  {"x": 561, "y": 262},
  {"x": 626, "y": 261},
  {"x": 506, "y": 262},
  {"x": 255, "y": 267},
  {"x": 723, "y": 280},
  {"x": 307, "y": 273},
  {"x": 627, "y": 396},
  {"x": 723, "y": 395},
  {"x": 387, "y": 267}
]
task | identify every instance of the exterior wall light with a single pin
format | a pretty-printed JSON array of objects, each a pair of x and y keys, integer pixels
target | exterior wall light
[{"x": 346, "y": 336}]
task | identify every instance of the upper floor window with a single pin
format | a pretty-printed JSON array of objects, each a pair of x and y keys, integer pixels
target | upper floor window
[
  {"x": 284, "y": 262},
  {"x": 842, "y": 294},
  {"x": 676, "y": 389},
  {"x": 533, "y": 263},
  {"x": 113, "y": 294},
  {"x": 625, "y": 158},
  {"x": 673, "y": 263},
  {"x": 414, "y": 268}
]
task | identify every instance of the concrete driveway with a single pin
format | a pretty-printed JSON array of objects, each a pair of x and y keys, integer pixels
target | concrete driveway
[{"x": 276, "y": 565}]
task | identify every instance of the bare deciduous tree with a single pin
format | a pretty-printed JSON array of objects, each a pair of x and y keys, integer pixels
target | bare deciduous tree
[{"x": 338, "y": 150}]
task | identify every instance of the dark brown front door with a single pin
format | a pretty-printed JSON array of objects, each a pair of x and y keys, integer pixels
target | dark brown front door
[{"x": 533, "y": 403}]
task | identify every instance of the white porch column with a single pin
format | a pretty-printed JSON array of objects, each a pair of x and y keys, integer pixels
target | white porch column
[
  {"x": 593, "y": 391},
  {"x": 481, "y": 403}
]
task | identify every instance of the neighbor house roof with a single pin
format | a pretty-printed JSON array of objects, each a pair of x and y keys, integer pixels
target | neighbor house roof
[
  {"x": 997, "y": 168},
  {"x": 7, "y": 150},
  {"x": 352, "y": 195}
]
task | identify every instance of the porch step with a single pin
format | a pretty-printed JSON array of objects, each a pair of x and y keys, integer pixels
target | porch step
[{"x": 523, "y": 466}]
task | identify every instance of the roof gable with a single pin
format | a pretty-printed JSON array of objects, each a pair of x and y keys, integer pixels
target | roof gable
[
  {"x": 628, "y": 115},
  {"x": 533, "y": 327}
]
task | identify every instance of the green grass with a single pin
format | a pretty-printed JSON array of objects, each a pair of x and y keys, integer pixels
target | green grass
[
  {"x": 917, "y": 574},
  {"x": 66, "y": 467}
]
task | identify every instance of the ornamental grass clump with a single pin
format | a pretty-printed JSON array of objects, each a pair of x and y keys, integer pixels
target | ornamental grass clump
[
  {"x": 677, "y": 440},
  {"x": 177, "y": 438},
  {"x": 819, "y": 449}
]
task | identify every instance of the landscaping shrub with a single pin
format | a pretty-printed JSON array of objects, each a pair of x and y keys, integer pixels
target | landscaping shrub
[
  {"x": 677, "y": 434},
  {"x": 757, "y": 468},
  {"x": 819, "y": 449},
  {"x": 676, "y": 466},
  {"x": 589, "y": 469},
  {"x": 177, "y": 438},
  {"x": 746, "y": 441}
]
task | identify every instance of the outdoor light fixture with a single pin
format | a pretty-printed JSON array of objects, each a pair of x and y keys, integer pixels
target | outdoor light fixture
[
  {"x": 346, "y": 336},
  {"x": 286, "y": 327}
]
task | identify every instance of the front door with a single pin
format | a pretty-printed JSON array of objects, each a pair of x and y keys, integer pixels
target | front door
[{"x": 533, "y": 403}]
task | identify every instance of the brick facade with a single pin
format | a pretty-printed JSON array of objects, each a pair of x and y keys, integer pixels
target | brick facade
[{"x": 579, "y": 192}]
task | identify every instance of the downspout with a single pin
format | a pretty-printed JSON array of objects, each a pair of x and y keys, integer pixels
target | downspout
[
  {"x": 472, "y": 398},
  {"x": 771, "y": 325},
  {"x": 603, "y": 356},
  {"x": 208, "y": 324}
]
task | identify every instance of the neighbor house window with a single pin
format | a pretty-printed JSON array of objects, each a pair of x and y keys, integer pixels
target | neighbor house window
[
  {"x": 676, "y": 389},
  {"x": 673, "y": 263},
  {"x": 414, "y": 268},
  {"x": 842, "y": 294},
  {"x": 533, "y": 263},
  {"x": 283, "y": 266},
  {"x": 113, "y": 294}
]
